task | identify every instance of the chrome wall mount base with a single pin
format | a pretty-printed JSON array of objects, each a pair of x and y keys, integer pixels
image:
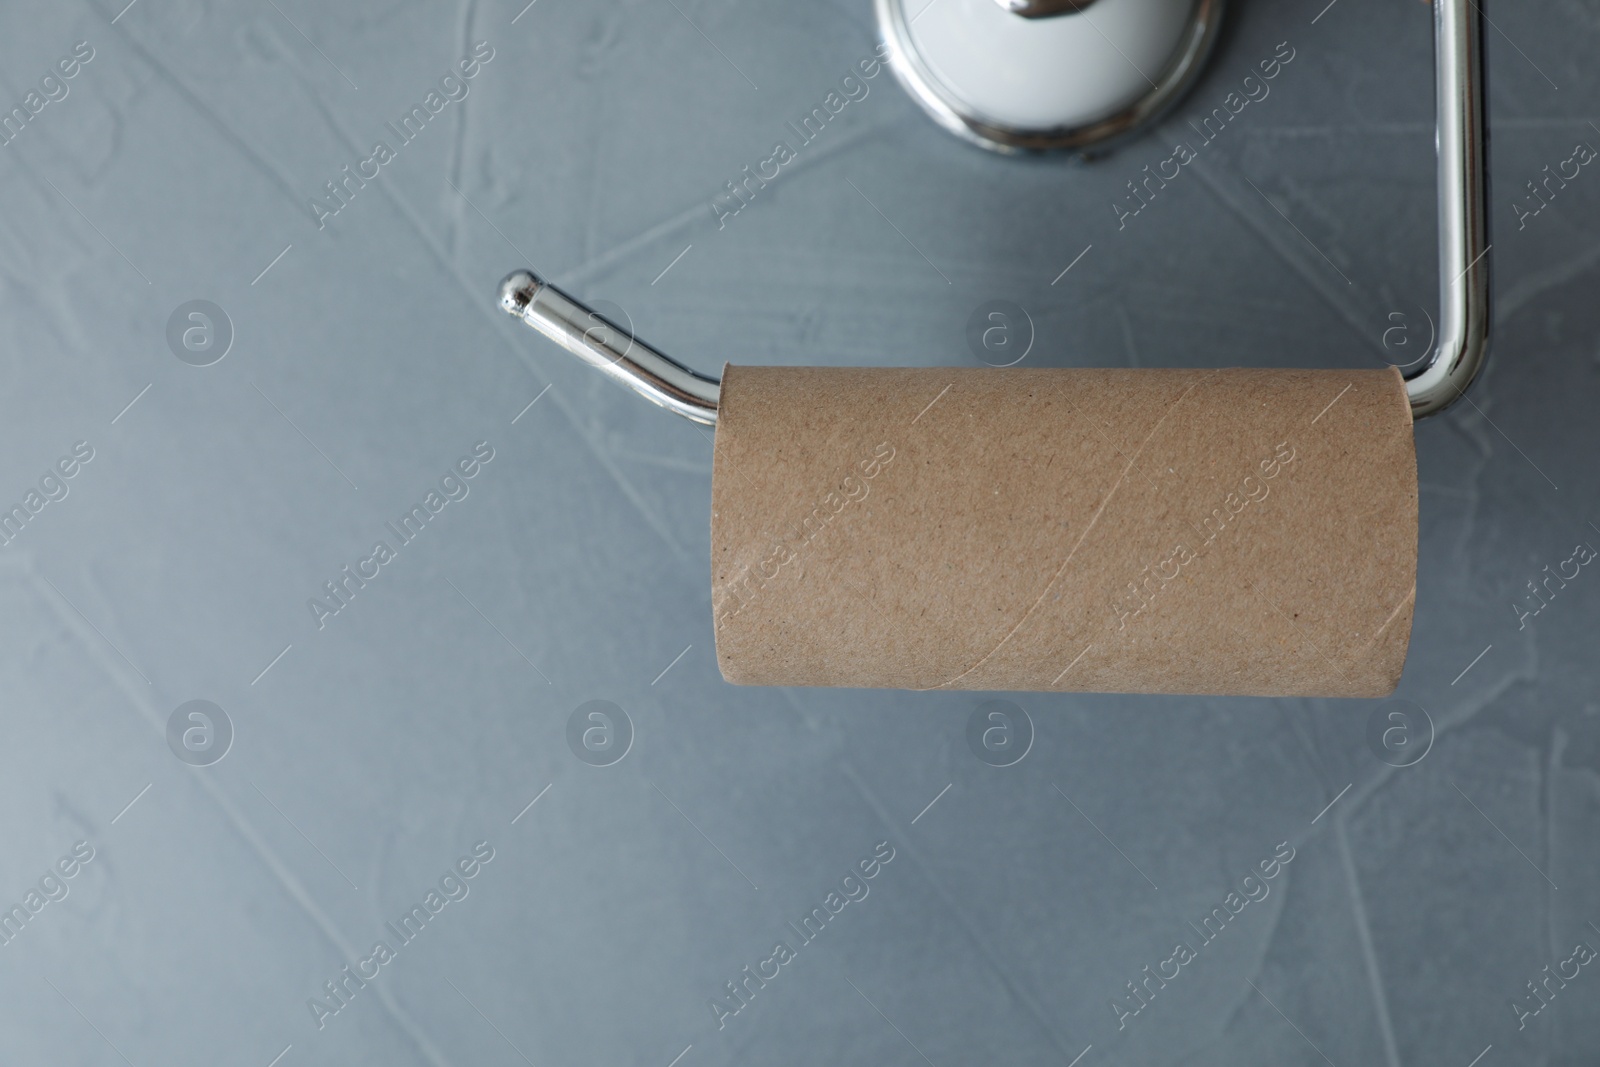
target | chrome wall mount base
[
  {"x": 1074, "y": 77},
  {"x": 1433, "y": 383}
]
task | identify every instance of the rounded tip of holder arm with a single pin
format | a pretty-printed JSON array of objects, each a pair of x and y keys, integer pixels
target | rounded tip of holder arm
[{"x": 518, "y": 291}]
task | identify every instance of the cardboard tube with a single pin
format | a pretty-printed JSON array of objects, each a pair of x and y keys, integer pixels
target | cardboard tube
[{"x": 1245, "y": 532}]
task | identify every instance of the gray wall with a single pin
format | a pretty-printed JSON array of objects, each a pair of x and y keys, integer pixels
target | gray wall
[{"x": 371, "y": 754}]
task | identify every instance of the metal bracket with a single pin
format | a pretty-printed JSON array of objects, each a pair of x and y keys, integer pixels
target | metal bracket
[{"x": 1436, "y": 382}]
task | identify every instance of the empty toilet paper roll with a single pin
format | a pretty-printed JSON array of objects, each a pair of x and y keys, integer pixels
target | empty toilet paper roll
[{"x": 1245, "y": 532}]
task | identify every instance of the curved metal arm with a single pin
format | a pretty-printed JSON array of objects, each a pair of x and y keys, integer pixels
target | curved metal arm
[
  {"x": 1439, "y": 379},
  {"x": 1464, "y": 298},
  {"x": 604, "y": 345}
]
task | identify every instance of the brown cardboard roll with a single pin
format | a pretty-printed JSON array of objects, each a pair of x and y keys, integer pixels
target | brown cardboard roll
[{"x": 1246, "y": 532}]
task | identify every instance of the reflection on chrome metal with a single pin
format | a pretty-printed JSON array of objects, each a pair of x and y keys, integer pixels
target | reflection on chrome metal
[
  {"x": 1463, "y": 333},
  {"x": 925, "y": 87},
  {"x": 1043, "y": 9},
  {"x": 607, "y": 347},
  {"x": 1464, "y": 311}
]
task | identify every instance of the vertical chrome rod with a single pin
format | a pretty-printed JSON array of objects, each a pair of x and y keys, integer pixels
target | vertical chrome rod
[{"x": 1464, "y": 295}]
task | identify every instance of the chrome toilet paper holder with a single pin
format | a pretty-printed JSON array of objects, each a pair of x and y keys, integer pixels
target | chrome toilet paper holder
[{"x": 1432, "y": 383}]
